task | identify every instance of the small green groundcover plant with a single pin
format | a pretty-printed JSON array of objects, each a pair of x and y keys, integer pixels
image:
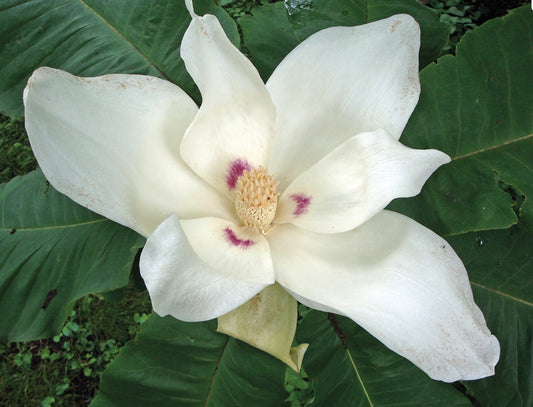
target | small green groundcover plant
[
  {"x": 66, "y": 369},
  {"x": 77, "y": 326}
]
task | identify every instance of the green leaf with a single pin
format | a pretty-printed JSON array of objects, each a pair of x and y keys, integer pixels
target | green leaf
[
  {"x": 95, "y": 37},
  {"x": 52, "y": 252},
  {"x": 478, "y": 108},
  {"x": 275, "y": 29},
  {"x": 268, "y": 36},
  {"x": 308, "y": 17},
  {"x": 174, "y": 363},
  {"x": 351, "y": 368},
  {"x": 500, "y": 266}
]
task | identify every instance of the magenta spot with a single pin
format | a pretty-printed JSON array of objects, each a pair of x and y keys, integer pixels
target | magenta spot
[
  {"x": 302, "y": 203},
  {"x": 235, "y": 170},
  {"x": 235, "y": 241}
]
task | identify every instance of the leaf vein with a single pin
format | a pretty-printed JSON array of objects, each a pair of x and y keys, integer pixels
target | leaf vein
[
  {"x": 483, "y": 150},
  {"x": 136, "y": 49},
  {"x": 509, "y": 296},
  {"x": 215, "y": 372},
  {"x": 359, "y": 378},
  {"x": 71, "y": 225}
]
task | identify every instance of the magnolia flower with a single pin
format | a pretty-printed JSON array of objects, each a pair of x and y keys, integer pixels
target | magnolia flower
[{"x": 285, "y": 182}]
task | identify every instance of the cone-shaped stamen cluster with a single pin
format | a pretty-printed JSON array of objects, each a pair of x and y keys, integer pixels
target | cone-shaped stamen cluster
[{"x": 257, "y": 198}]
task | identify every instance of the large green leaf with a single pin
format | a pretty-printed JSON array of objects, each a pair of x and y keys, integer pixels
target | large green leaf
[
  {"x": 275, "y": 29},
  {"x": 268, "y": 36},
  {"x": 478, "y": 108},
  {"x": 174, "y": 363},
  {"x": 52, "y": 252},
  {"x": 351, "y": 368},
  {"x": 95, "y": 37},
  {"x": 500, "y": 265}
]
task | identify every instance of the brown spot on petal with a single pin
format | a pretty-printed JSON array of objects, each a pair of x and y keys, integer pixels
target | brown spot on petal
[{"x": 395, "y": 25}]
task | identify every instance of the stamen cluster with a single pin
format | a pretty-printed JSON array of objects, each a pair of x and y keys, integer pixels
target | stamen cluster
[{"x": 257, "y": 198}]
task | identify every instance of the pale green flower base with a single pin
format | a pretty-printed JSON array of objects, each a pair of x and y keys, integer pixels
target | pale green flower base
[{"x": 268, "y": 322}]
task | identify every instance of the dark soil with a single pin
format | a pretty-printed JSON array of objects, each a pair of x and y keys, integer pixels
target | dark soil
[{"x": 495, "y": 8}]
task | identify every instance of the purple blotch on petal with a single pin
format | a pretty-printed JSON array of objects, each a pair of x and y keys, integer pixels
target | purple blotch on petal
[
  {"x": 232, "y": 238},
  {"x": 235, "y": 170},
  {"x": 302, "y": 203}
]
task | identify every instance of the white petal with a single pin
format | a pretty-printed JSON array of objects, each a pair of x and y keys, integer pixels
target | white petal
[
  {"x": 235, "y": 124},
  {"x": 399, "y": 281},
  {"x": 190, "y": 8},
  {"x": 183, "y": 285},
  {"x": 234, "y": 251},
  {"x": 355, "y": 181},
  {"x": 340, "y": 82},
  {"x": 111, "y": 144}
]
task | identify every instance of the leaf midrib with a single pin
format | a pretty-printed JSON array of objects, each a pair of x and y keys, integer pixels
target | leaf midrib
[
  {"x": 209, "y": 391},
  {"x": 483, "y": 150},
  {"x": 502, "y": 294},
  {"x": 359, "y": 378},
  {"x": 70, "y": 225},
  {"x": 340, "y": 335},
  {"x": 124, "y": 38}
]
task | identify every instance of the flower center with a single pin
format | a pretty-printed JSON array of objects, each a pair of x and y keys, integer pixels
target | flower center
[{"x": 257, "y": 198}]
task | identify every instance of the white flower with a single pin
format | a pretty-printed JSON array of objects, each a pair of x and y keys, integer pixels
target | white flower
[{"x": 137, "y": 150}]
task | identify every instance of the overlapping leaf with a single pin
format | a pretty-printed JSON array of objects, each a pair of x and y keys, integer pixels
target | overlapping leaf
[
  {"x": 52, "y": 252},
  {"x": 174, "y": 363},
  {"x": 95, "y": 37},
  {"x": 275, "y": 29},
  {"x": 478, "y": 108}
]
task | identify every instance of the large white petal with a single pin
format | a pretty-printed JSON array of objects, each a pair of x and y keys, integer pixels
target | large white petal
[
  {"x": 112, "y": 144},
  {"x": 398, "y": 280},
  {"x": 340, "y": 82},
  {"x": 235, "y": 125},
  {"x": 355, "y": 181},
  {"x": 235, "y": 251},
  {"x": 181, "y": 284}
]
